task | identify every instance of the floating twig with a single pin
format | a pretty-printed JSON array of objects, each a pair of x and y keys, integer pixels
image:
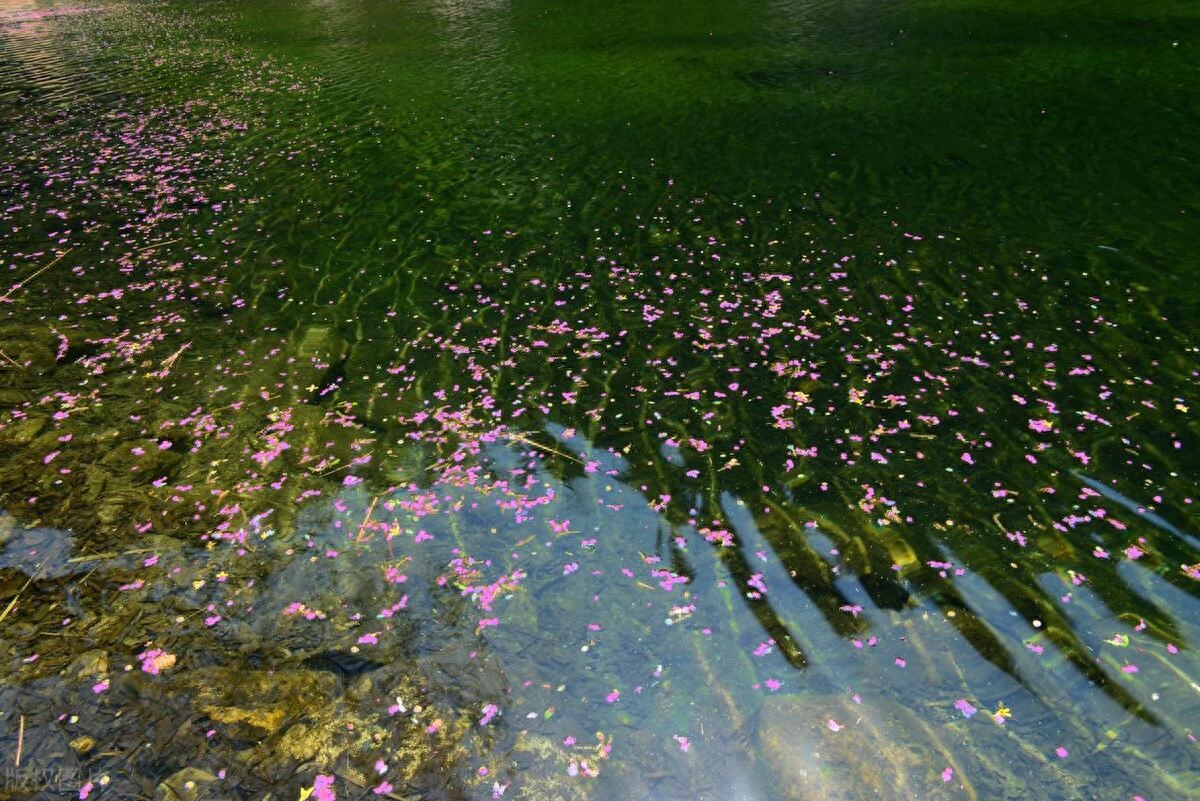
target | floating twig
[
  {"x": 153, "y": 245},
  {"x": 11, "y": 360},
  {"x": 22, "y": 283},
  {"x": 170, "y": 360},
  {"x": 109, "y": 555},
  {"x": 17, "y": 597},
  {"x": 340, "y": 467},
  {"x": 531, "y": 443},
  {"x": 366, "y": 519}
]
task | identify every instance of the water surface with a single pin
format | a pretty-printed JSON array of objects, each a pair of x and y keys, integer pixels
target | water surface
[{"x": 655, "y": 400}]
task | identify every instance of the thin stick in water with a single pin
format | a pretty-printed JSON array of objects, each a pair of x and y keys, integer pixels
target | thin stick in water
[{"x": 20, "y": 284}]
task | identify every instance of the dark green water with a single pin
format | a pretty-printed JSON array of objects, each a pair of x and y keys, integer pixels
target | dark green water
[{"x": 652, "y": 400}]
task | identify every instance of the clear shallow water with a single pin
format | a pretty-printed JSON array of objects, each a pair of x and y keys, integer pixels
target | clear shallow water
[{"x": 780, "y": 392}]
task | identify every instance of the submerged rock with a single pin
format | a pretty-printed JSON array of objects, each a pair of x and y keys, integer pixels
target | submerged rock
[
  {"x": 261, "y": 700},
  {"x": 830, "y": 748},
  {"x": 20, "y": 433},
  {"x": 546, "y": 784},
  {"x": 83, "y": 744},
  {"x": 189, "y": 784},
  {"x": 318, "y": 361},
  {"x": 267, "y": 720},
  {"x": 29, "y": 353},
  {"x": 88, "y": 665},
  {"x": 341, "y": 663}
]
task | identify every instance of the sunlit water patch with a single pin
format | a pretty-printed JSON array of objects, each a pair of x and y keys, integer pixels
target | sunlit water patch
[{"x": 478, "y": 401}]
